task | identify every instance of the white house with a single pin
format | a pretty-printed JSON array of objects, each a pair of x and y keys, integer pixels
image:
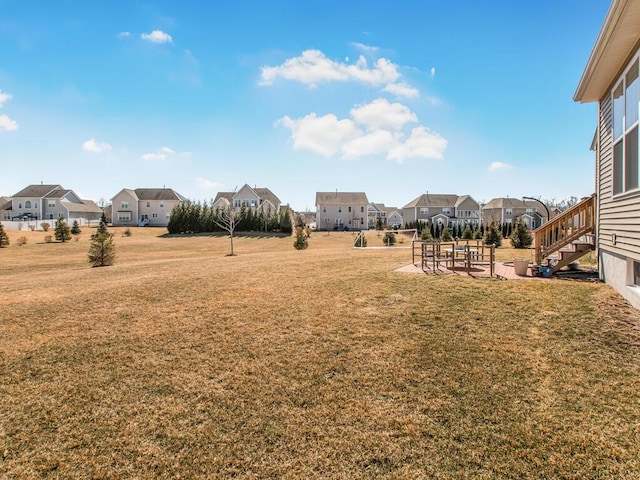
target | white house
[{"x": 144, "y": 206}]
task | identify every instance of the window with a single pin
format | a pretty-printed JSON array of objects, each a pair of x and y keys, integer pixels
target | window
[
  {"x": 339, "y": 209},
  {"x": 27, "y": 204},
  {"x": 148, "y": 204},
  {"x": 124, "y": 216},
  {"x": 424, "y": 211},
  {"x": 529, "y": 211},
  {"x": 636, "y": 273},
  {"x": 51, "y": 203},
  {"x": 154, "y": 215},
  {"x": 124, "y": 204},
  {"x": 20, "y": 205},
  {"x": 349, "y": 209},
  {"x": 161, "y": 205},
  {"x": 446, "y": 211},
  {"x": 361, "y": 209},
  {"x": 324, "y": 209},
  {"x": 508, "y": 211},
  {"x": 625, "y": 97}
]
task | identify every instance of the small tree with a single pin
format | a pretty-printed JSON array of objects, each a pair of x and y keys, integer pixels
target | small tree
[
  {"x": 227, "y": 219},
  {"x": 425, "y": 235},
  {"x": 477, "y": 234},
  {"x": 102, "y": 250},
  {"x": 492, "y": 235},
  {"x": 445, "y": 235},
  {"x": 4, "y": 238},
  {"x": 389, "y": 239},
  {"x": 45, "y": 226},
  {"x": 62, "y": 232},
  {"x": 75, "y": 228},
  {"x": 379, "y": 223},
  {"x": 521, "y": 236},
  {"x": 102, "y": 226},
  {"x": 300, "y": 243},
  {"x": 467, "y": 233}
]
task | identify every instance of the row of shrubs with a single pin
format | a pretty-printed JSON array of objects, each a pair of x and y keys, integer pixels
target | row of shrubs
[{"x": 196, "y": 217}]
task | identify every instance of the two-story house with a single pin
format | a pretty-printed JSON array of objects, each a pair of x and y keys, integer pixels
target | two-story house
[
  {"x": 249, "y": 197},
  {"x": 611, "y": 78},
  {"x": 509, "y": 210},
  {"x": 341, "y": 210},
  {"x": 379, "y": 214},
  {"x": 449, "y": 210},
  {"x": 144, "y": 206},
  {"x": 49, "y": 202}
]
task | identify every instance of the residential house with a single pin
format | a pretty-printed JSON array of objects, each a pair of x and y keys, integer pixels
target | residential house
[
  {"x": 449, "y": 210},
  {"x": 341, "y": 210},
  {"x": 611, "y": 79},
  {"x": 49, "y": 202},
  {"x": 509, "y": 210},
  {"x": 144, "y": 206},
  {"x": 378, "y": 213},
  {"x": 249, "y": 197}
]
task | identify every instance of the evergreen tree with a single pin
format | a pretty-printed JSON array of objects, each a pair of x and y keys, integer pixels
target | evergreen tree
[
  {"x": 379, "y": 223},
  {"x": 477, "y": 234},
  {"x": 300, "y": 243},
  {"x": 75, "y": 228},
  {"x": 389, "y": 239},
  {"x": 492, "y": 236},
  {"x": 445, "y": 235},
  {"x": 102, "y": 250},
  {"x": 62, "y": 232},
  {"x": 285, "y": 222},
  {"x": 467, "y": 233},
  {"x": 425, "y": 235},
  {"x": 102, "y": 226},
  {"x": 4, "y": 238},
  {"x": 521, "y": 236}
]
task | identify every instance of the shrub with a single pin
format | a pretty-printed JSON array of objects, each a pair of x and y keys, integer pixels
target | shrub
[
  {"x": 48, "y": 238},
  {"x": 389, "y": 239},
  {"x": 127, "y": 232},
  {"x": 4, "y": 238},
  {"x": 493, "y": 236},
  {"x": 425, "y": 235},
  {"x": 75, "y": 228},
  {"x": 21, "y": 241},
  {"x": 467, "y": 233},
  {"x": 45, "y": 226},
  {"x": 300, "y": 243},
  {"x": 521, "y": 236},
  {"x": 445, "y": 235},
  {"x": 62, "y": 231},
  {"x": 477, "y": 235}
]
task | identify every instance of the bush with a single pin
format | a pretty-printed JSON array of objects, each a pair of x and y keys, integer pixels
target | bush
[
  {"x": 521, "y": 236},
  {"x": 21, "y": 241},
  {"x": 45, "y": 226},
  {"x": 48, "y": 238},
  {"x": 425, "y": 235},
  {"x": 300, "y": 243},
  {"x": 445, "y": 235},
  {"x": 62, "y": 231},
  {"x": 127, "y": 232},
  {"x": 493, "y": 236},
  {"x": 389, "y": 239},
  {"x": 467, "y": 233},
  {"x": 477, "y": 235},
  {"x": 4, "y": 238}
]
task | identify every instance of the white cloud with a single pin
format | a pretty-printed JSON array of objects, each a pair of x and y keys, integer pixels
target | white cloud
[
  {"x": 401, "y": 89},
  {"x": 422, "y": 143},
  {"x": 433, "y": 71},
  {"x": 382, "y": 114},
  {"x": 164, "y": 153},
  {"x": 495, "y": 166},
  {"x": 208, "y": 184},
  {"x": 7, "y": 124},
  {"x": 324, "y": 135},
  {"x": 122, "y": 35},
  {"x": 4, "y": 97},
  {"x": 96, "y": 147},
  {"x": 365, "y": 48},
  {"x": 373, "y": 129},
  {"x": 313, "y": 67},
  {"x": 157, "y": 36},
  {"x": 167, "y": 150},
  {"x": 153, "y": 157}
]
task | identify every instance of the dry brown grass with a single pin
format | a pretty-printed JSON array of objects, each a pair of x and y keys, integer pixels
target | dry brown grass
[{"x": 180, "y": 362}]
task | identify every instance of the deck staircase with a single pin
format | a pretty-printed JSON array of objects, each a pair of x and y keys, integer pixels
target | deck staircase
[{"x": 566, "y": 237}]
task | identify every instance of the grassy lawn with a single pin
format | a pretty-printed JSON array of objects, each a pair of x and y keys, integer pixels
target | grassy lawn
[{"x": 181, "y": 362}]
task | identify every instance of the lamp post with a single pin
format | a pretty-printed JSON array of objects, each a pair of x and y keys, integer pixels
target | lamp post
[{"x": 541, "y": 203}]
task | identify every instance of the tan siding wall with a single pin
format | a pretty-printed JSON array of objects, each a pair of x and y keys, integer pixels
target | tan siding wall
[{"x": 621, "y": 215}]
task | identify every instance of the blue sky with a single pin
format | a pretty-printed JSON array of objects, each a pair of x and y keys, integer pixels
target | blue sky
[{"x": 391, "y": 98}]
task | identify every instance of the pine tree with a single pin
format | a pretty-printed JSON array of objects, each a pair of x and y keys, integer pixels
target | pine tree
[
  {"x": 102, "y": 226},
  {"x": 102, "y": 250},
  {"x": 477, "y": 234},
  {"x": 62, "y": 232},
  {"x": 467, "y": 233},
  {"x": 75, "y": 228},
  {"x": 521, "y": 236},
  {"x": 300, "y": 243},
  {"x": 389, "y": 239},
  {"x": 285, "y": 222},
  {"x": 492, "y": 235},
  {"x": 445, "y": 235},
  {"x": 425, "y": 235},
  {"x": 4, "y": 238}
]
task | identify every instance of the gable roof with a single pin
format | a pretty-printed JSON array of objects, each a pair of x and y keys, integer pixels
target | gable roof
[
  {"x": 228, "y": 196},
  {"x": 341, "y": 198},
  {"x": 87, "y": 206},
  {"x": 506, "y": 202},
  {"x": 59, "y": 193},
  {"x": 266, "y": 194},
  {"x": 38, "y": 191},
  {"x": 158, "y": 194},
  {"x": 618, "y": 35},
  {"x": 433, "y": 200}
]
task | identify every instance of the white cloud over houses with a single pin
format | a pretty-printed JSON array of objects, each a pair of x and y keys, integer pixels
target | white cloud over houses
[
  {"x": 496, "y": 166},
  {"x": 7, "y": 124},
  {"x": 313, "y": 67},
  {"x": 96, "y": 147},
  {"x": 208, "y": 184},
  {"x": 375, "y": 128},
  {"x": 157, "y": 36},
  {"x": 123, "y": 35}
]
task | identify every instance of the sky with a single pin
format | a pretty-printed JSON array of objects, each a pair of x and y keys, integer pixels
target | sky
[{"x": 394, "y": 99}]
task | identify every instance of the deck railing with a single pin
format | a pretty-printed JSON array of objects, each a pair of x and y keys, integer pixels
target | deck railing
[{"x": 565, "y": 228}]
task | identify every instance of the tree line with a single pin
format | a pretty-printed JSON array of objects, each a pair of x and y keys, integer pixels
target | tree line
[{"x": 203, "y": 217}]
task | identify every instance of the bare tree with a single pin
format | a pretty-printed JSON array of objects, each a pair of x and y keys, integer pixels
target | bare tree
[{"x": 227, "y": 219}]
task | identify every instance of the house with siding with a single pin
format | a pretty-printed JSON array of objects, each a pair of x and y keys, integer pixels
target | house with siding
[
  {"x": 509, "y": 210},
  {"x": 144, "y": 206},
  {"x": 449, "y": 210},
  {"x": 341, "y": 210},
  {"x": 49, "y": 202},
  {"x": 389, "y": 216},
  {"x": 611, "y": 79},
  {"x": 249, "y": 197}
]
